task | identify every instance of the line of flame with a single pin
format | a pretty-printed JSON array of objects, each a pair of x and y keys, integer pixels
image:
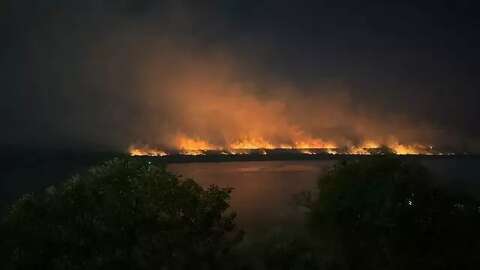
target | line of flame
[{"x": 195, "y": 146}]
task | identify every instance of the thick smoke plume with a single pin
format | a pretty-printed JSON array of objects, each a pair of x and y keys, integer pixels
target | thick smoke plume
[{"x": 115, "y": 79}]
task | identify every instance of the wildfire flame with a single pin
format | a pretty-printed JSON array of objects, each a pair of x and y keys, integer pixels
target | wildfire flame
[
  {"x": 252, "y": 143},
  {"x": 185, "y": 145},
  {"x": 145, "y": 151}
]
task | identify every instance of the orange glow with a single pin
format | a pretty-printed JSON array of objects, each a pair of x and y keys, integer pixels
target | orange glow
[
  {"x": 370, "y": 145},
  {"x": 255, "y": 143},
  {"x": 237, "y": 151},
  {"x": 313, "y": 143},
  {"x": 145, "y": 151},
  {"x": 187, "y": 144},
  {"x": 209, "y": 105},
  {"x": 195, "y": 146},
  {"x": 332, "y": 151},
  {"x": 307, "y": 152},
  {"x": 260, "y": 143},
  {"x": 401, "y": 149},
  {"x": 192, "y": 152}
]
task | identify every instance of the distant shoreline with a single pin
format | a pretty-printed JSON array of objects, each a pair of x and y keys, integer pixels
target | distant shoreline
[{"x": 286, "y": 157}]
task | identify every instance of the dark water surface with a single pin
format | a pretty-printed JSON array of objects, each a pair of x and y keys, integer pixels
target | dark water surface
[{"x": 263, "y": 190}]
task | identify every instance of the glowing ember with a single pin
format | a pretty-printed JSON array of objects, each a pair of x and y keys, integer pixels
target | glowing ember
[
  {"x": 237, "y": 152},
  {"x": 331, "y": 151},
  {"x": 192, "y": 152},
  {"x": 307, "y": 152},
  {"x": 416, "y": 149}
]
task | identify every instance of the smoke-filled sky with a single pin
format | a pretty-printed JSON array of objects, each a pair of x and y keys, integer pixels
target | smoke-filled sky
[{"x": 111, "y": 73}]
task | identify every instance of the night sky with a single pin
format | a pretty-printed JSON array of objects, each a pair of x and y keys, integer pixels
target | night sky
[{"x": 93, "y": 73}]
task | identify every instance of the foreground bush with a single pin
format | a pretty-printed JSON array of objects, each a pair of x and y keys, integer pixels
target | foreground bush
[
  {"x": 124, "y": 214},
  {"x": 382, "y": 212},
  {"x": 385, "y": 212}
]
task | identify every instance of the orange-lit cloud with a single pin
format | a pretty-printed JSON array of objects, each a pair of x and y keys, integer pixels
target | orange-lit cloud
[{"x": 206, "y": 101}]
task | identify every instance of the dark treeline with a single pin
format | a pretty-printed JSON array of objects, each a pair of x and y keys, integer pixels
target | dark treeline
[{"x": 381, "y": 212}]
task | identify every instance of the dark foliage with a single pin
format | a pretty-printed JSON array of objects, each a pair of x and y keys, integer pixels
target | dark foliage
[
  {"x": 385, "y": 213},
  {"x": 124, "y": 214}
]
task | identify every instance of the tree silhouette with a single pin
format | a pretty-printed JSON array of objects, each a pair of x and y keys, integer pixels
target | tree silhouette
[
  {"x": 385, "y": 212},
  {"x": 124, "y": 214}
]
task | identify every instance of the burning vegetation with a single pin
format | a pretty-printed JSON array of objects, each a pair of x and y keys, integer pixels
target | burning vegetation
[
  {"x": 194, "y": 146},
  {"x": 212, "y": 105}
]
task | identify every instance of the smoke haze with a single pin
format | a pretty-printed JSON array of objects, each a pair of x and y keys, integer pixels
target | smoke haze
[{"x": 100, "y": 74}]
